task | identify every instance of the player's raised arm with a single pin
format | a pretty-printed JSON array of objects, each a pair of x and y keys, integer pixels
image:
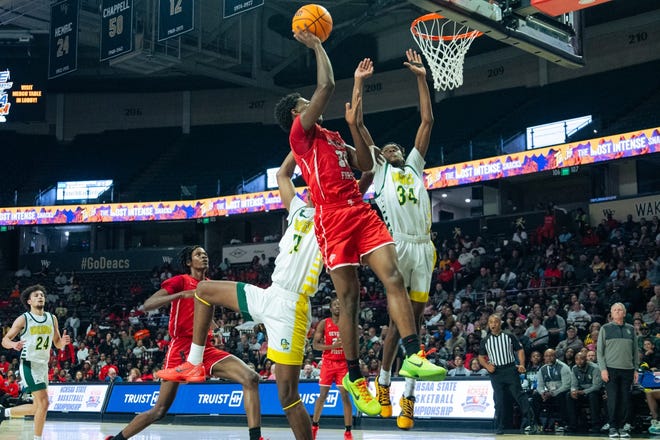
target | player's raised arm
[
  {"x": 423, "y": 136},
  {"x": 325, "y": 81},
  {"x": 354, "y": 116},
  {"x": 284, "y": 174}
]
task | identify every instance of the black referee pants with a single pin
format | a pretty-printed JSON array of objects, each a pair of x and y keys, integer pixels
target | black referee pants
[{"x": 507, "y": 379}]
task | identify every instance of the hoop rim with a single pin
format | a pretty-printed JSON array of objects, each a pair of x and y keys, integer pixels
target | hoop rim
[{"x": 435, "y": 16}]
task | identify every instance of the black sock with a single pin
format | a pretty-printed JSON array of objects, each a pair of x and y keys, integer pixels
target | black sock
[
  {"x": 119, "y": 436},
  {"x": 411, "y": 344},
  {"x": 255, "y": 433},
  {"x": 315, "y": 423},
  {"x": 354, "y": 372},
  {"x": 348, "y": 428}
]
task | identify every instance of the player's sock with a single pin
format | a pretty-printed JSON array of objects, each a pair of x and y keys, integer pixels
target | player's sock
[
  {"x": 7, "y": 413},
  {"x": 409, "y": 387},
  {"x": 119, "y": 436},
  {"x": 37, "y": 437},
  {"x": 411, "y": 344},
  {"x": 255, "y": 433},
  {"x": 385, "y": 377},
  {"x": 354, "y": 372},
  {"x": 196, "y": 354},
  {"x": 348, "y": 428},
  {"x": 315, "y": 423}
]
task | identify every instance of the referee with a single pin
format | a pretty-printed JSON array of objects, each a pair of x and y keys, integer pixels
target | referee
[{"x": 496, "y": 354}]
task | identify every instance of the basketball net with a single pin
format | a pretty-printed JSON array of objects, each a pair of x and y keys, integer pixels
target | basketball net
[{"x": 444, "y": 44}]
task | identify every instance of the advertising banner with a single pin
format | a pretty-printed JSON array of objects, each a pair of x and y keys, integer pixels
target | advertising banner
[
  {"x": 449, "y": 399},
  {"x": 215, "y": 398},
  {"x": 638, "y": 207},
  {"x": 103, "y": 261},
  {"x": 586, "y": 152},
  {"x": 76, "y": 397}
]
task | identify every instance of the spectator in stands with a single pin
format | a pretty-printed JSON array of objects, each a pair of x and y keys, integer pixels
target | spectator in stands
[
  {"x": 459, "y": 368},
  {"x": 537, "y": 334},
  {"x": 578, "y": 317},
  {"x": 556, "y": 326},
  {"x": 508, "y": 279},
  {"x": 112, "y": 376},
  {"x": 134, "y": 375},
  {"x": 476, "y": 369},
  {"x": 308, "y": 372},
  {"x": 483, "y": 281},
  {"x": 572, "y": 341},
  {"x": 594, "y": 307},
  {"x": 649, "y": 316}
]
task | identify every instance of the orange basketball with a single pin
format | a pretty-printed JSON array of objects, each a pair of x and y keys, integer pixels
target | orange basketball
[{"x": 315, "y": 18}]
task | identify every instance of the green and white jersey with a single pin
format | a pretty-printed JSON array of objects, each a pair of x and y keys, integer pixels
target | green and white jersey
[
  {"x": 37, "y": 337},
  {"x": 299, "y": 263},
  {"x": 402, "y": 197}
]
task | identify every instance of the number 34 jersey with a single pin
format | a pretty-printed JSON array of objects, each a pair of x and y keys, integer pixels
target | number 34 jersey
[
  {"x": 37, "y": 337},
  {"x": 402, "y": 197}
]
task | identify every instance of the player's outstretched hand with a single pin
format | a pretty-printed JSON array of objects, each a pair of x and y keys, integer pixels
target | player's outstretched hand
[
  {"x": 415, "y": 63},
  {"x": 364, "y": 69}
]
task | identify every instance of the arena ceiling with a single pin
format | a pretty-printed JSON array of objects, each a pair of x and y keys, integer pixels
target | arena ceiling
[{"x": 251, "y": 49}]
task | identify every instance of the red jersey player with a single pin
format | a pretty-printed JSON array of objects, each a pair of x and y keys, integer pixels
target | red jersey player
[
  {"x": 333, "y": 368},
  {"x": 178, "y": 291},
  {"x": 349, "y": 232}
]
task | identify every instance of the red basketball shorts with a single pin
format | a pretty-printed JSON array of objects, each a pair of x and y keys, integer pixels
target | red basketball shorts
[
  {"x": 179, "y": 349},
  {"x": 348, "y": 232},
  {"x": 332, "y": 371}
]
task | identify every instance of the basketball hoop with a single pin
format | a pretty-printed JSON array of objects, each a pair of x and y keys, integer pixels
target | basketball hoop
[{"x": 444, "y": 44}]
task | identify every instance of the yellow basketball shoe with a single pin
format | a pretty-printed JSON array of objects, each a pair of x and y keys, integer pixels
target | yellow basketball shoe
[
  {"x": 383, "y": 397},
  {"x": 405, "y": 420}
]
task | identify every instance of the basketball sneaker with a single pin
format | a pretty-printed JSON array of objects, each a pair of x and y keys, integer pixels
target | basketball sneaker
[
  {"x": 315, "y": 430},
  {"x": 405, "y": 420},
  {"x": 416, "y": 366},
  {"x": 2, "y": 414},
  {"x": 185, "y": 372},
  {"x": 110, "y": 437},
  {"x": 383, "y": 397},
  {"x": 361, "y": 396},
  {"x": 348, "y": 435}
]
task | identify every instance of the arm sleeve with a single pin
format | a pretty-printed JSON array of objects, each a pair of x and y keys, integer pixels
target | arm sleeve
[
  {"x": 600, "y": 349},
  {"x": 596, "y": 381}
]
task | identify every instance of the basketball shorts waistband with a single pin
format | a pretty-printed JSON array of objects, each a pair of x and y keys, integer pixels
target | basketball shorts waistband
[{"x": 400, "y": 236}]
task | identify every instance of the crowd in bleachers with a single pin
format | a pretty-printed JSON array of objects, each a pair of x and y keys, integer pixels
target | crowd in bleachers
[{"x": 553, "y": 287}]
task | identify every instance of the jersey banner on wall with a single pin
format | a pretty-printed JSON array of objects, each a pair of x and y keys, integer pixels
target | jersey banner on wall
[
  {"x": 116, "y": 28},
  {"x": 63, "y": 42},
  {"x": 175, "y": 17}
]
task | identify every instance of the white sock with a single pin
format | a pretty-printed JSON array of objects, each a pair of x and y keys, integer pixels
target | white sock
[
  {"x": 409, "y": 387},
  {"x": 7, "y": 412},
  {"x": 196, "y": 354},
  {"x": 385, "y": 377},
  {"x": 37, "y": 437}
]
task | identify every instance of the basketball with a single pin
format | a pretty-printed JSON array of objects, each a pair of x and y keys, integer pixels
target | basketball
[{"x": 316, "y": 18}]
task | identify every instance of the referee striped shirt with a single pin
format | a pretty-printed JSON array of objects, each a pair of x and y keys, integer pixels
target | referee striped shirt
[{"x": 500, "y": 349}]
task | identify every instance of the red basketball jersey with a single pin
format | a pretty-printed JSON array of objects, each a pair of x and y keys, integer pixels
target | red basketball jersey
[
  {"x": 331, "y": 335},
  {"x": 324, "y": 164},
  {"x": 183, "y": 310}
]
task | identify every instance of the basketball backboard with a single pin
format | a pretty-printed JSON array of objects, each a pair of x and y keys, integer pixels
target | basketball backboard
[{"x": 521, "y": 24}]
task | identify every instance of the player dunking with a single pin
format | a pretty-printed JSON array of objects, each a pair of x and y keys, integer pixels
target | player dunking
[
  {"x": 37, "y": 331},
  {"x": 404, "y": 203},
  {"x": 178, "y": 291},
  {"x": 349, "y": 232},
  {"x": 333, "y": 368},
  {"x": 284, "y": 307}
]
